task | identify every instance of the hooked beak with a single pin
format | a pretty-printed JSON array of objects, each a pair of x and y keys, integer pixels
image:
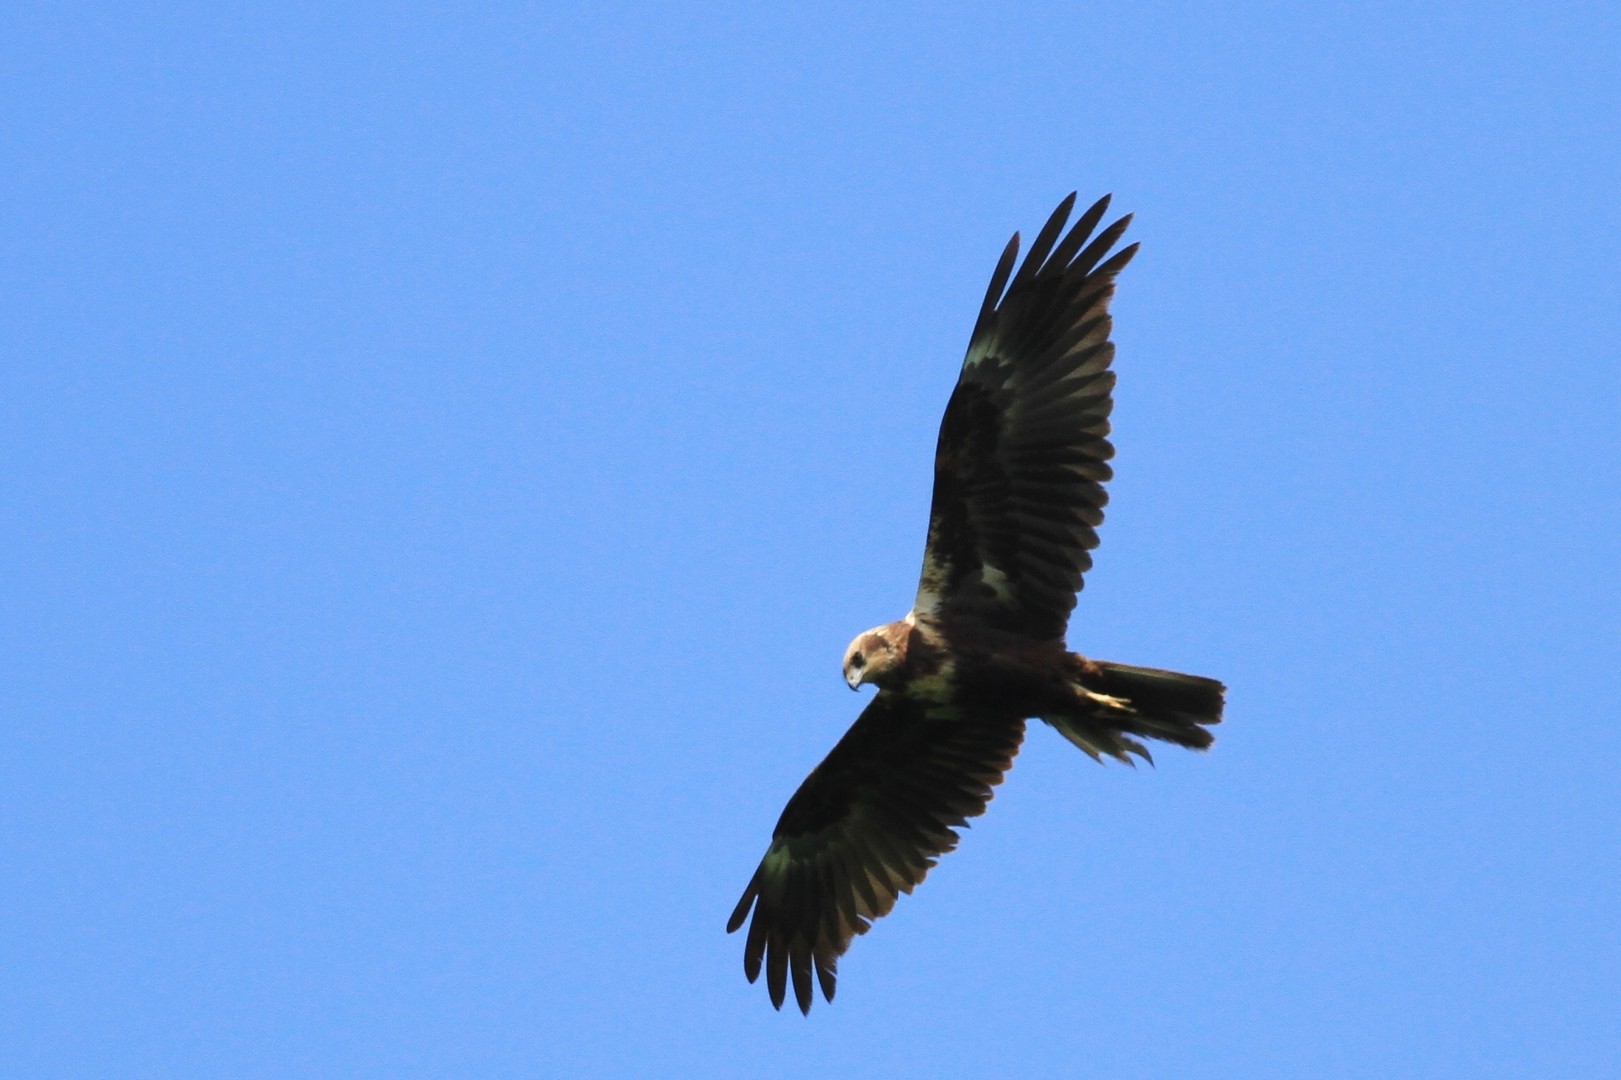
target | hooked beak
[{"x": 853, "y": 680}]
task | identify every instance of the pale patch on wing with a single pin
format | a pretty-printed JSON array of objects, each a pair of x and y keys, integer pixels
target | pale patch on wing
[
  {"x": 1001, "y": 586},
  {"x": 931, "y": 587},
  {"x": 979, "y": 352},
  {"x": 987, "y": 586}
]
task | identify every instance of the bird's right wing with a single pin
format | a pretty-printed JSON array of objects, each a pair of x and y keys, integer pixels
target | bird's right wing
[
  {"x": 1024, "y": 448},
  {"x": 866, "y": 825}
]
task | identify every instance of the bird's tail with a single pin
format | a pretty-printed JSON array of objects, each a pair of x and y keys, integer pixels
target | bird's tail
[{"x": 1132, "y": 701}]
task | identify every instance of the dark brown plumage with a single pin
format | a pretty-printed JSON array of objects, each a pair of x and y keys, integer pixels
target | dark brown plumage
[{"x": 1019, "y": 468}]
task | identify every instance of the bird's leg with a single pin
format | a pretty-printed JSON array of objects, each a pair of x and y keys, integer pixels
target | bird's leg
[{"x": 1108, "y": 701}]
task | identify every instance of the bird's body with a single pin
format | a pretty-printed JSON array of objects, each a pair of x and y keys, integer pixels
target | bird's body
[
  {"x": 1022, "y": 455},
  {"x": 984, "y": 670}
]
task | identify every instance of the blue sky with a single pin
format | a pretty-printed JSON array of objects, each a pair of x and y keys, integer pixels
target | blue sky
[{"x": 445, "y": 454}]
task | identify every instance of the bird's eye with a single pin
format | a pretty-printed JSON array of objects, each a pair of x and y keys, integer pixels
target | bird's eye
[{"x": 857, "y": 660}]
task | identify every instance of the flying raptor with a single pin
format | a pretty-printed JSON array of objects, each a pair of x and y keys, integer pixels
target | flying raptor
[{"x": 1018, "y": 475}]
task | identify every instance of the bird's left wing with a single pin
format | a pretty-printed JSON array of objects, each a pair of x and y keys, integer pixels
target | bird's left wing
[{"x": 866, "y": 825}]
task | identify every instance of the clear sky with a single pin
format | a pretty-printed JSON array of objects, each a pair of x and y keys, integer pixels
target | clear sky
[{"x": 445, "y": 453}]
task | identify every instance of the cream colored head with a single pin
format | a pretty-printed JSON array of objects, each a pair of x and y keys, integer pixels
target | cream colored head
[{"x": 875, "y": 655}]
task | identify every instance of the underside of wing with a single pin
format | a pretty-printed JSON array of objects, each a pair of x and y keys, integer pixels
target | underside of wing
[
  {"x": 1024, "y": 450},
  {"x": 865, "y": 826}
]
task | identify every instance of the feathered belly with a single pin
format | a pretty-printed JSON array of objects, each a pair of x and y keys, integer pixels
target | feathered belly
[
  {"x": 1027, "y": 682},
  {"x": 983, "y": 673},
  {"x": 937, "y": 684}
]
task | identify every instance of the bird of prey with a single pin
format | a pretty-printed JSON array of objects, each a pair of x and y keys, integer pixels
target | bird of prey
[{"x": 1018, "y": 474}]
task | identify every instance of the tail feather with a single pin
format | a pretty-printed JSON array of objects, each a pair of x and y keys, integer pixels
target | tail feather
[{"x": 1138, "y": 701}]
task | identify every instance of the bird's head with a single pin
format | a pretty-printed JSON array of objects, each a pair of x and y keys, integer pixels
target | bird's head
[{"x": 875, "y": 655}]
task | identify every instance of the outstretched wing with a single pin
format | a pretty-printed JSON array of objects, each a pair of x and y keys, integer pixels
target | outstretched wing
[
  {"x": 866, "y": 825},
  {"x": 1024, "y": 448}
]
